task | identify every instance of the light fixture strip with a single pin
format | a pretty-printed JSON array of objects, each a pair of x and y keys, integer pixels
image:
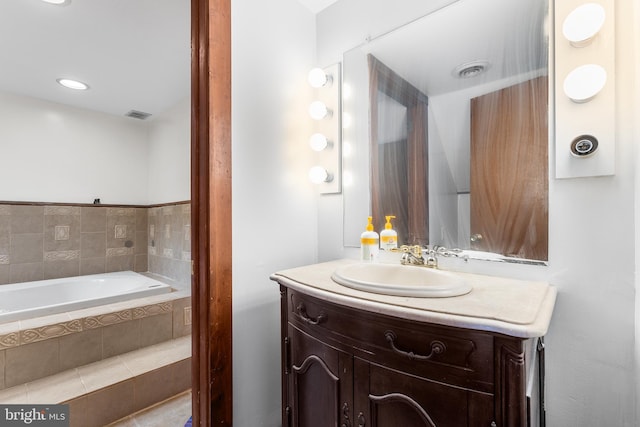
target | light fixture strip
[
  {"x": 584, "y": 89},
  {"x": 326, "y": 112}
]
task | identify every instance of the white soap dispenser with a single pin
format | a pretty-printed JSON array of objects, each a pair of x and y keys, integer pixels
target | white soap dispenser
[
  {"x": 388, "y": 236},
  {"x": 369, "y": 243}
]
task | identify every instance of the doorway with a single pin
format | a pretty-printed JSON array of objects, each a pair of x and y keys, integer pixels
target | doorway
[{"x": 211, "y": 212}]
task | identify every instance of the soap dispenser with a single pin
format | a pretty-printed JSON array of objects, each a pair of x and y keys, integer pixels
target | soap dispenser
[
  {"x": 388, "y": 236},
  {"x": 369, "y": 243}
]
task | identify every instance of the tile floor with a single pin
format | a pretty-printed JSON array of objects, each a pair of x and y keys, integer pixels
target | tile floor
[{"x": 173, "y": 412}]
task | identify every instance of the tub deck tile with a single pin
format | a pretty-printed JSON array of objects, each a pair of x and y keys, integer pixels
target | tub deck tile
[
  {"x": 9, "y": 340},
  {"x": 145, "y": 359},
  {"x": 87, "y": 380},
  {"x": 98, "y": 333},
  {"x": 152, "y": 309},
  {"x": 103, "y": 374},
  {"x": 30, "y": 362},
  {"x": 14, "y": 395},
  {"x": 31, "y": 335},
  {"x": 45, "y": 321},
  {"x": 6, "y": 328},
  {"x": 80, "y": 349},
  {"x": 2, "y": 363},
  {"x": 55, "y": 388},
  {"x": 92, "y": 322}
]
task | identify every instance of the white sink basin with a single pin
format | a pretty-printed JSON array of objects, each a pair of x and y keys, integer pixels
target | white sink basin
[{"x": 401, "y": 280}]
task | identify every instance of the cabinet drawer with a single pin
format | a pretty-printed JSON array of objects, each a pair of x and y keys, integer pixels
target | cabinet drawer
[{"x": 456, "y": 356}]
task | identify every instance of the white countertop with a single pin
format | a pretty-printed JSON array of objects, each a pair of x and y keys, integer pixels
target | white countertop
[{"x": 512, "y": 307}]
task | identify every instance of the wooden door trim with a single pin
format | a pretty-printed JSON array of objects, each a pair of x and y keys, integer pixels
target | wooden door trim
[{"x": 211, "y": 212}]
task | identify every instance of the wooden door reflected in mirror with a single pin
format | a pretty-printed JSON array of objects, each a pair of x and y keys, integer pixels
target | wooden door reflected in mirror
[{"x": 509, "y": 171}]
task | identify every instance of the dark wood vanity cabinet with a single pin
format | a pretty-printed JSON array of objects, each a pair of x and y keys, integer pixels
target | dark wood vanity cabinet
[{"x": 346, "y": 367}]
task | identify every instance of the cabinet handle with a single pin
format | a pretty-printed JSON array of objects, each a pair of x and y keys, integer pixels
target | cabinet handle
[
  {"x": 345, "y": 414},
  {"x": 437, "y": 347},
  {"x": 361, "y": 420},
  {"x": 302, "y": 312}
]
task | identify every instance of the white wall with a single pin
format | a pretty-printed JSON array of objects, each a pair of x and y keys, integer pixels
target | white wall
[
  {"x": 274, "y": 206},
  {"x": 636, "y": 133},
  {"x": 443, "y": 194},
  {"x": 169, "y": 158},
  {"x": 53, "y": 153},
  {"x": 590, "y": 345},
  {"x": 591, "y": 342}
]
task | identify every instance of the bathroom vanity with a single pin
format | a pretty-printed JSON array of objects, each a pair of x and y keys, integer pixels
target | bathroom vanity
[{"x": 352, "y": 358}]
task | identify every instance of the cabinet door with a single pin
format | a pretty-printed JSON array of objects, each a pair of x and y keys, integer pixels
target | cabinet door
[
  {"x": 389, "y": 398},
  {"x": 320, "y": 383}
]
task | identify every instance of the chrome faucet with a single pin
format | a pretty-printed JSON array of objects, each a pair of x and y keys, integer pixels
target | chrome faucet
[
  {"x": 413, "y": 255},
  {"x": 427, "y": 257},
  {"x": 457, "y": 253}
]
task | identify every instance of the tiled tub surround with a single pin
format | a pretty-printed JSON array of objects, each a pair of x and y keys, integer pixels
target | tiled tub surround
[
  {"x": 108, "y": 361},
  {"x": 48, "y": 241},
  {"x": 44, "y": 346},
  {"x": 169, "y": 236}
]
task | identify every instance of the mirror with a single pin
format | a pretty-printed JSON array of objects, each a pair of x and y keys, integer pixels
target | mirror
[{"x": 446, "y": 127}]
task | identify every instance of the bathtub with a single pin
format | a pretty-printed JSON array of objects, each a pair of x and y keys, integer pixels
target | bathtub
[{"x": 25, "y": 300}]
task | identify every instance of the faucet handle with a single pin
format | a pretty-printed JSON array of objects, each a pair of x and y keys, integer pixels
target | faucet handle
[
  {"x": 415, "y": 250},
  {"x": 441, "y": 250}
]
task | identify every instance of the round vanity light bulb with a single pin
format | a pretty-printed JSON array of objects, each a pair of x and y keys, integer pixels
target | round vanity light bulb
[
  {"x": 318, "y": 110},
  {"x": 318, "y": 142},
  {"x": 317, "y": 78},
  {"x": 318, "y": 175},
  {"x": 73, "y": 84},
  {"x": 585, "y": 82},
  {"x": 583, "y": 24}
]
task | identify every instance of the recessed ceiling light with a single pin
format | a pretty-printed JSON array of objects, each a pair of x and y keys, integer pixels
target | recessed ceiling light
[
  {"x": 58, "y": 2},
  {"x": 73, "y": 84}
]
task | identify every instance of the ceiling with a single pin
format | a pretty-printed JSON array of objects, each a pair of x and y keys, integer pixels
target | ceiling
[
  {"x": 507, "y": 37},
  {"x": 134, "y": 54},
  {"x": 316, "y": 6}
]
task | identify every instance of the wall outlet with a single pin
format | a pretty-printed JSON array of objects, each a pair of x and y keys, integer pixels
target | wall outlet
[{"x": 187, "y": 316}]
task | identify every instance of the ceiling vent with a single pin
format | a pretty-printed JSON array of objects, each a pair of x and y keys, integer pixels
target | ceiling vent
[
  {"x": 471, "y": 69},
  {"x": 140, "y": 115}
]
